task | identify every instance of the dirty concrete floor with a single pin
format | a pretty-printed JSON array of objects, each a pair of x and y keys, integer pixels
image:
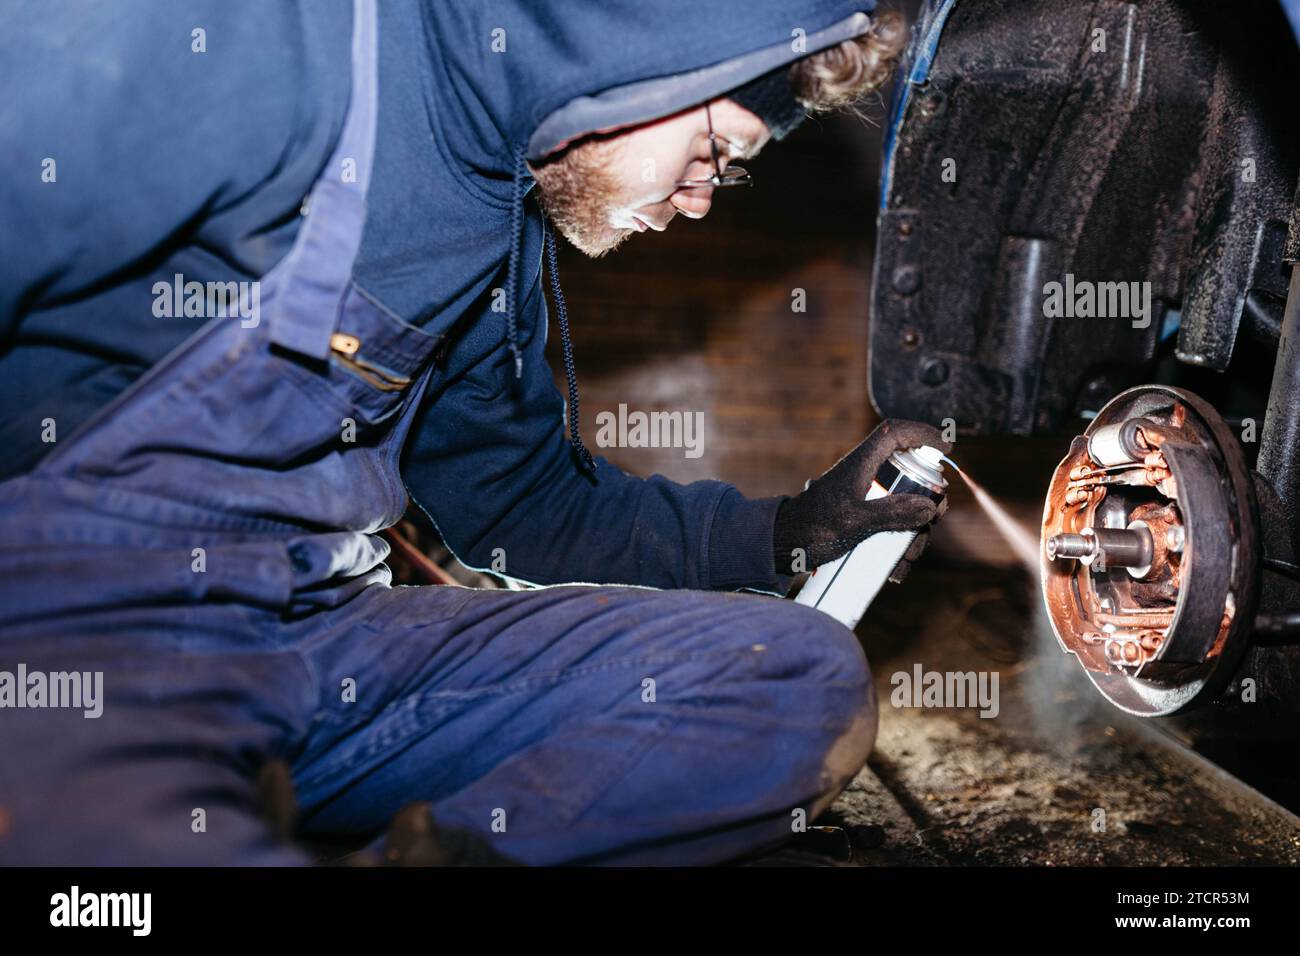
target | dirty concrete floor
[{"x": 1034, "y": 784}]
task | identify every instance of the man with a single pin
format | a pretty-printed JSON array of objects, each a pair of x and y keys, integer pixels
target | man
[{"x": 269, "y": 269}]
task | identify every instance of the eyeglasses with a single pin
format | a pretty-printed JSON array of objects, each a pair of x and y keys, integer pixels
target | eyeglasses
[{"x": 731, "y": 176}]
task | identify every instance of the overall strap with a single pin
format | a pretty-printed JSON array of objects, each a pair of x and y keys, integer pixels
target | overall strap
[{"x": 318, "y": 270}]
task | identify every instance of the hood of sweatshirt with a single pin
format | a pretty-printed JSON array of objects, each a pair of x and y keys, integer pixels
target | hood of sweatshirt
[{"x": 538, "y": 74}]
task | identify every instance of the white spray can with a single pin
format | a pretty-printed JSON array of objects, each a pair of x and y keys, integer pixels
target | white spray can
[{"x": 845, "y": 587}]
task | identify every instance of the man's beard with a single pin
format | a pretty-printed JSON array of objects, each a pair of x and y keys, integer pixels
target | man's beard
[{"x": 578, "y": 190}]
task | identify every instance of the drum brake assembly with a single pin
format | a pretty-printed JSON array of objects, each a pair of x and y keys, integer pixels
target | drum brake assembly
[{"x": 1150, "y": 560}]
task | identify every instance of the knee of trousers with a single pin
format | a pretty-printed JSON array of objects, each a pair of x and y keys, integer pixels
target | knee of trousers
[
  {"x": 825, "y": 661},
  {"x": 849, "y": 750}
]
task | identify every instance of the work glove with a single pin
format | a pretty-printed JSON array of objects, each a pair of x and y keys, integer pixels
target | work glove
[{"x": 831, "y": 515}]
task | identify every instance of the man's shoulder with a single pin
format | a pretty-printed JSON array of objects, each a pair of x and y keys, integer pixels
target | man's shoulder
[{"x": 114, "y": 64}]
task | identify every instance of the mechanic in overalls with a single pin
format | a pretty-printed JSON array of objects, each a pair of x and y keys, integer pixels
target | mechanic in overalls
[{"x": 191, "y": 502}]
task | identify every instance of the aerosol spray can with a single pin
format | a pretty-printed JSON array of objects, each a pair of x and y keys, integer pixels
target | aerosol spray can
[{"x": 845, "y": 587}]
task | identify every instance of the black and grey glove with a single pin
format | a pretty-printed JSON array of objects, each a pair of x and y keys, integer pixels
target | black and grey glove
[{"x": 831, "y": 515}]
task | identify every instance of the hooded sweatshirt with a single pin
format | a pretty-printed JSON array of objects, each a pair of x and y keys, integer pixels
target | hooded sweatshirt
[{"x": 170, "y": 159}]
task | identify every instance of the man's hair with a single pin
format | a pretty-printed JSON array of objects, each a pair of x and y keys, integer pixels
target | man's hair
[{"x": 841, "y": 76}]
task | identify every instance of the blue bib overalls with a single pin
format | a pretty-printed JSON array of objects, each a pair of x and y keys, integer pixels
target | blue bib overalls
[{"x": 207, "y": 544}]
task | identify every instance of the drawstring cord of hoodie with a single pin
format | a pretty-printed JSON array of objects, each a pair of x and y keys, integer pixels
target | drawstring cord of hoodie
[
  {"x": 561, "y": 309},
  {"x": 566, "y": 347}
]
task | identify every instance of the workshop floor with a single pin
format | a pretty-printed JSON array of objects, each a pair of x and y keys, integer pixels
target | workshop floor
[{"x": 947, "y": 786}]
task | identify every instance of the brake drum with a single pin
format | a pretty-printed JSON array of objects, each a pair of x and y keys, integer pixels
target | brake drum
[{"x": 1150, "y": 556}]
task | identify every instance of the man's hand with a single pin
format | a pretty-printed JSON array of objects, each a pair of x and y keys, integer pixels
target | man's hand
[{"x": 831, "y": 515}]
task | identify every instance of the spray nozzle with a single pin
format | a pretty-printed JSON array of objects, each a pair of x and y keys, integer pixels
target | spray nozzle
[{"x": 931, "y": 457}]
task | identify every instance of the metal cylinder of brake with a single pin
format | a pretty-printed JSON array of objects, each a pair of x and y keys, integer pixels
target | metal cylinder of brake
[
  {"x": 1116, "y": 444},
  {"x": 1115, "y": 547}
]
